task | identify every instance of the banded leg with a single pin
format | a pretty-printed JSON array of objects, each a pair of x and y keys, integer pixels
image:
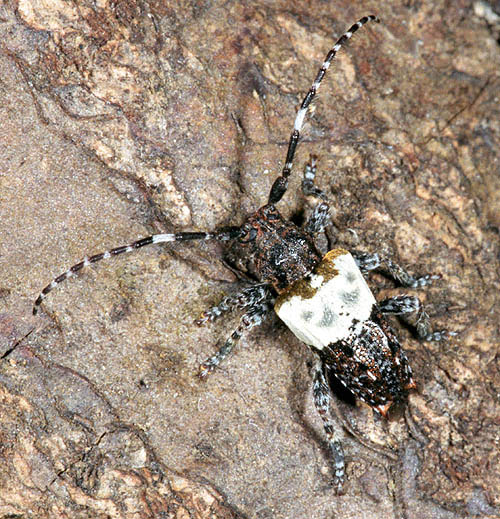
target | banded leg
[
  {"x": 321, "y": 394},
  {"x": 308, "y": 187},
  {"x": 253, "y": 317},
  {"x": 250, "y": 296},
  {"x": 281, "y": 183},
  {"x": 226, "y": 234},
  {"x": 367, "y": 261},
  {"x": 319, "y": 218},
  {"x": 411, "y": 310}
]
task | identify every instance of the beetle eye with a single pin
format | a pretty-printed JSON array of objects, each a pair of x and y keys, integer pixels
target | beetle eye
[{"x": 250, "y": 233}]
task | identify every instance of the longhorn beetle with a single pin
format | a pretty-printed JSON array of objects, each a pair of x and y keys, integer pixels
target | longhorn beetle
[{"x": 325, "y": 301}]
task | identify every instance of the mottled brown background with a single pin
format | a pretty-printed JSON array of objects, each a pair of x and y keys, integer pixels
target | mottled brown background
[{"x": 118, "y": 119}]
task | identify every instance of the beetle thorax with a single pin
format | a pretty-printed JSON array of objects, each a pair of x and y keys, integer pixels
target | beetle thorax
[{"x": 277, "y": 251}]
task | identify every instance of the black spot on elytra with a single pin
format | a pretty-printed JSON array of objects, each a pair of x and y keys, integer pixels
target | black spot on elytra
[
  {"x": 327, "y": 318},
  {"x": 350, "y": 298},
  {"x": 346, "y": 349},
  {"x": 307, "y": 315},
  {"x": 351, "y": 277}
]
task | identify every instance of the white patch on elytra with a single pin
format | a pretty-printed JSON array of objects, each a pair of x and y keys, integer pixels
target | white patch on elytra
[
  {"x": 326, "y": 312},
  {"x": 316, "y": 281}
]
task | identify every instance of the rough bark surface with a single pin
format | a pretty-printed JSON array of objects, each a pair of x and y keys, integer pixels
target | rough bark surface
[{"x": 119, "y": 119}]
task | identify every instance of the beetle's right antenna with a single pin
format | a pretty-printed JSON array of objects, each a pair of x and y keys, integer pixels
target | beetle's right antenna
[{"x": 220, "y": 235}]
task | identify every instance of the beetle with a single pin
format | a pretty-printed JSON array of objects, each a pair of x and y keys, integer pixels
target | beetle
[{"x": 324, "y": 300}]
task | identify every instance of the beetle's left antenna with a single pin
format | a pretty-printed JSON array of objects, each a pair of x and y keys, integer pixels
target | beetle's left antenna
[{"x": 281, "y": 183}]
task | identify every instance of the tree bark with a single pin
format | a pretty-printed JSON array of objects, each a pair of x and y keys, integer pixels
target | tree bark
[{"x": 123, "y": 119}]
